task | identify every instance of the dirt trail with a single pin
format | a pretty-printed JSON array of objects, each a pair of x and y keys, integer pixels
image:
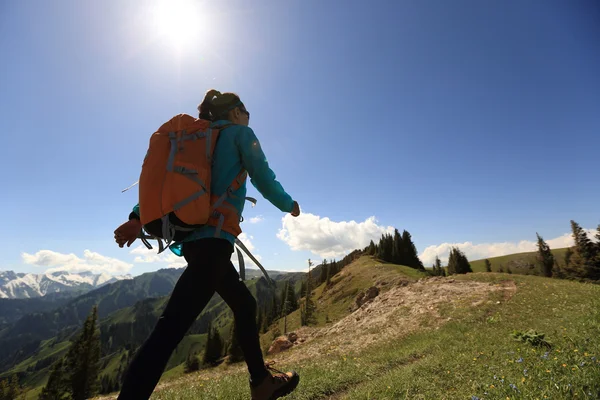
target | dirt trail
[{"x": 395, "y": 313}]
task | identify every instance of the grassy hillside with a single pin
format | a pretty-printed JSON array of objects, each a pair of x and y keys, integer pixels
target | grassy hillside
[
  {"x": 12, "y": 310},
  {"x": 333, "y": 302},
  {"x": 140, "y": 318},
  {"x": 519, "y": 263},
  {"x": 454, "y": 341}
]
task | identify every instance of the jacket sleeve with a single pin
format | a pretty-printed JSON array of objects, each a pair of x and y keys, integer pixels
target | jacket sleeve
[
  {"x": 135, "y": 213},
  {"x": 262, "y": 177}
]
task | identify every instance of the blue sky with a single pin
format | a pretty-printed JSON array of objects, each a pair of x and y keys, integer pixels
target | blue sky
[{"x": 464, "y": 122}]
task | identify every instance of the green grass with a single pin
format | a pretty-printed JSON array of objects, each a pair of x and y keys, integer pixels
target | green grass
[
  {"x": 114, "y": 361},
  {"x": 189, "y": 344},
  {"x": 476, "y": 356},
  {"x": 173, "y": 373},
  {"x": 472, "y": 355},
  {"x": 519, "y": 263},
  {"x": 46, "y": 350},
  {"x": 32, "y": 394}
]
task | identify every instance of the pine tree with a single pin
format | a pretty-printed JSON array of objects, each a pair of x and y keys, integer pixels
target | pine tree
[
  {"x": 234, "y": 350},
  {"x": 83, "y": 359},
  {"x": 371, "y": 248},
  {"x": 274, "y": 311},
  {"x": 324, "y": 267},
  {"x": 260, "y": 319},
  {"x": 334, "y": 268},
  {"x": 583, "y": 261},
  {"x": 10, "y": 390},
  {"x": 598, "y": 247},
  {"x": 57, "y": 387},
  {"x": 307, "y": 313},
  {"x": 283, "y": 297},
  {"x": 437, "y": 267},
  {"x": 464, "y": 264},
  {"x": 381, "y": 248},
  {"x": 4, "y": 389},
  {"x": 303, "y": 289},
  {"x": 410, "y": 251},
  {"x": 386, "y": 248},
  {"x": 488, "y": 265},
  {"x": 290, "y": 303},
  {"x": 214, "y": 348},
  {"x": 292, "y": 299},
  {"x": 568, "y": 255},
  {"x": 557, "y": 272},
  {"x": 458, "y": 262},
  {"x": 397, "y": 248},
  {"x": 389, "y": 243},
  {"x": 452, "y": 262},
  {"x": 545, "y": 258},
  {"x": 192, "y": 363}
]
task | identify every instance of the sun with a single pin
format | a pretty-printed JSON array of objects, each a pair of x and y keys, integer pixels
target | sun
[{"x": 177, "y": 21}]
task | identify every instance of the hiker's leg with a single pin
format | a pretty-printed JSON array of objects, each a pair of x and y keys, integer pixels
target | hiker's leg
[
  {"x": 191, "y": 294},
  {"x": 237, "y": 296}
]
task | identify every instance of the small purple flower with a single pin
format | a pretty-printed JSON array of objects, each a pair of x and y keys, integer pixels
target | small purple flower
[
  {"x": 512, "y": 386},
  {"x": 545, "y": 356},
  {"x": 593, "y": 358},
  {"x": 495, "y": 377},
  {"x": 474, "y": 398},
  {"x": 525, "y": 372},
  {"x": 520, "y": 360},
  {"x": 582, "y": 364}
]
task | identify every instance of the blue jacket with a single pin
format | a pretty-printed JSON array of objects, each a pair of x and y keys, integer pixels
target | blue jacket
[{"x": 237, "y": 148}]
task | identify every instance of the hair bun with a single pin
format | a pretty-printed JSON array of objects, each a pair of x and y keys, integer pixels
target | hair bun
[{"x": 213, "y": 94}]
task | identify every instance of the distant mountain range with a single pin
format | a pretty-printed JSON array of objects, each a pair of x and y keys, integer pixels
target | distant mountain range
[
  {"x": 27, "y": 285},
  {"x": 25, "y": 324}
]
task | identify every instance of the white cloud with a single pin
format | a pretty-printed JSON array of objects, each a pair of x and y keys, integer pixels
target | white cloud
[
  {"x": 329, "y": 239},
  {"x": 257, "y": 219},
  {"x": 247, "y": 240},
  {"x": 143, "y": 255},
  {"x": 91, "y": 261},
  {"x": 488, "y": 250}
]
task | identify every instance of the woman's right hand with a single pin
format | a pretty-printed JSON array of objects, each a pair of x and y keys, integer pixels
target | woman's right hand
[
  {"x": 296, "y": 210},
  {"x": 128, "y": 232}
]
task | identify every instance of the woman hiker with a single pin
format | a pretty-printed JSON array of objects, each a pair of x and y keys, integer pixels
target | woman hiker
[{"x": 209, "y": 268}]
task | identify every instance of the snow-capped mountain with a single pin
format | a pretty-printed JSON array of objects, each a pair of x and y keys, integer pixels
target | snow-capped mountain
[{"x": 20, "y": 285}]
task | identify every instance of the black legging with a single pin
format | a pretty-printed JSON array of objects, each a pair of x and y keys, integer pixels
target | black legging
[{"x": 209, "y": 269}]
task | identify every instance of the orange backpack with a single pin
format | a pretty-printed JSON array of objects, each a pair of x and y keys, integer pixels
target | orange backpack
[{"x": 174, "y": 185}]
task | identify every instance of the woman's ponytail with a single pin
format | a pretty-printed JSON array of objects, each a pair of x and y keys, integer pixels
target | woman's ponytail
[
  {"x": 206, "y": 108},
  {"x": 216, "y": 105}
]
